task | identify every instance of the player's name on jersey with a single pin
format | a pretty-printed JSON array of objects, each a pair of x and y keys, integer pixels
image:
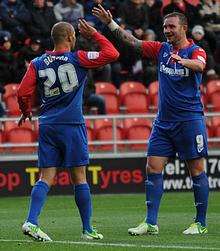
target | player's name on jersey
[
  {"x": 183, "y": 72},
  {"x": 50, "y": 58}
]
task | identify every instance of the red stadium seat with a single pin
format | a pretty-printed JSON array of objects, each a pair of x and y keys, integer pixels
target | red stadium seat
[
  {"x": 216, "y": 126},
  {"x": 137, "y": 129},
  {"x": 209, "y": 128},
  {"x": 210, "y": 131},
  {"x": 109, "y": 92},
  {"x": 213, "y": 92},
  {"x": 213, "y": 130},
  {"x": 10, "y": 90},
  {"x": 10, "y": 99},
  {"x": 104, "y": 132},
  {"x": 12, "y": 106},
  {"x": 153, "y": 95},
  {"x": 11, "y": 125},
  {"x": 23, "y": 134},
  {"x": 90, "y": 133},
  {"x": 134, "y": 97}
]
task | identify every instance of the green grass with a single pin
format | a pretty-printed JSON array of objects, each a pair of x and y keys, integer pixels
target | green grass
[{"x": 113, "y": 215}]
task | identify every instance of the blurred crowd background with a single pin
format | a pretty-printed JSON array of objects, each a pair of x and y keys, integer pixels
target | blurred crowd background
[{"x": 25, "y": 33}]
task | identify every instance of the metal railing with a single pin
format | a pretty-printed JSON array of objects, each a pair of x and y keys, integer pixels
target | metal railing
[{"x": 114, "y": 142}]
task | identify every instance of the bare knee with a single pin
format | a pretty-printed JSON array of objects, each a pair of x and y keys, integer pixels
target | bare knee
[
  {"x": 151, "y": 168},
  {"x": 78, "y": 175},
  {"x": 155, "y": 164},
  {"x": 196, "y": 166},
  {"x": 48, "y": 175}
]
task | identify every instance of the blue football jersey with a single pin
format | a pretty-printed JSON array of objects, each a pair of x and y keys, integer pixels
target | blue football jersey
[
  {"x": 179, "y": 93},
  {"x": 60, "y": 77},
  {"x": 60, "y": 82}
]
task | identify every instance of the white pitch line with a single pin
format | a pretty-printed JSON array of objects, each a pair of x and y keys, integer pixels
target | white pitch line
[{"x": 123, "y": 245}]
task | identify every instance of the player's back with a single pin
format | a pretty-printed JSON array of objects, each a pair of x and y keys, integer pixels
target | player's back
[
  {"x": 60, "y": 82},
  {"x": 60, "y": 77}
]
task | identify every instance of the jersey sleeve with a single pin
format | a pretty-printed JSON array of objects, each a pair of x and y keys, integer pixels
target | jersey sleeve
[
  {"x": 26, "y": 89},
  {"x": 94, "y": 59},
  {"x": 199, "y": 54},
  {"x": 150, "y": 49}
]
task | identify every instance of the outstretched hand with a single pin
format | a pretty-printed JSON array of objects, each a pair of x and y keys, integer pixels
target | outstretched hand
[
  {"x": 104, "y": 16},
  {"x": 85, "y": 29},
  {"x": 23, "y": 118}
]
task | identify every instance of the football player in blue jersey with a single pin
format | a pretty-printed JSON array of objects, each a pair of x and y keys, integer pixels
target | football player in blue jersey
[
  {"x": 179, "y": 127},
  {"x": 60, "y": 76}
]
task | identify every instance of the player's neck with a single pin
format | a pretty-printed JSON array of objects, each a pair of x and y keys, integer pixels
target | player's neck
[
  {"x": 61, "y": 47},
  {"x": 181, "y": 44}
]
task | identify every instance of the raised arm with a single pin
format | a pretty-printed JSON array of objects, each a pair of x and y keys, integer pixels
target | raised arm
[
  {"x": 94, "y": 59},
  {"x": 118, "y": 32}
]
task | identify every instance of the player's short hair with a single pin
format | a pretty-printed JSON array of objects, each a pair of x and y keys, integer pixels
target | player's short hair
[
  {"x": 182, "y": 17},
  {"x": 60, "y": 32}
]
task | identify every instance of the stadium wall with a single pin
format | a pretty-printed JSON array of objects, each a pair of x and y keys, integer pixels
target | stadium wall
[{"x": 105, "y": 175}]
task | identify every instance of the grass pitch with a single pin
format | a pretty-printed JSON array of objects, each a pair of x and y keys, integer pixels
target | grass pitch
[{"x": 113, "y": 215}]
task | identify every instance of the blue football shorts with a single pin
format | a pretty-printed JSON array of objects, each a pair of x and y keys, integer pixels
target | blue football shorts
[
  {"x": 63, "y": 146},
  {"x": 188, "y": 139}
]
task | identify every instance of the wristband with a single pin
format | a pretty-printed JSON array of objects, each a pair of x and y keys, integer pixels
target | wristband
[{"x": 113, "y": 25}]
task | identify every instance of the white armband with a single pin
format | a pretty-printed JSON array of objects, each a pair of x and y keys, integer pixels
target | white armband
[{"x": 113, "y": 25}]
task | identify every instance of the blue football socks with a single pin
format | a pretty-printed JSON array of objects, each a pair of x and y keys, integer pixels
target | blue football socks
[
  {"x": 84, "y": 204},
  {"x": 154, "y": 192},
  {"x": 201, "y": 194},
  {"x": 38, "y": 198}
]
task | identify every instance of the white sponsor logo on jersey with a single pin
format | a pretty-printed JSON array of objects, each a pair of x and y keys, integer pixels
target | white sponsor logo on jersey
[
  {"x": 93, "y": 55},
  {"x": 182, "y": 72}
]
